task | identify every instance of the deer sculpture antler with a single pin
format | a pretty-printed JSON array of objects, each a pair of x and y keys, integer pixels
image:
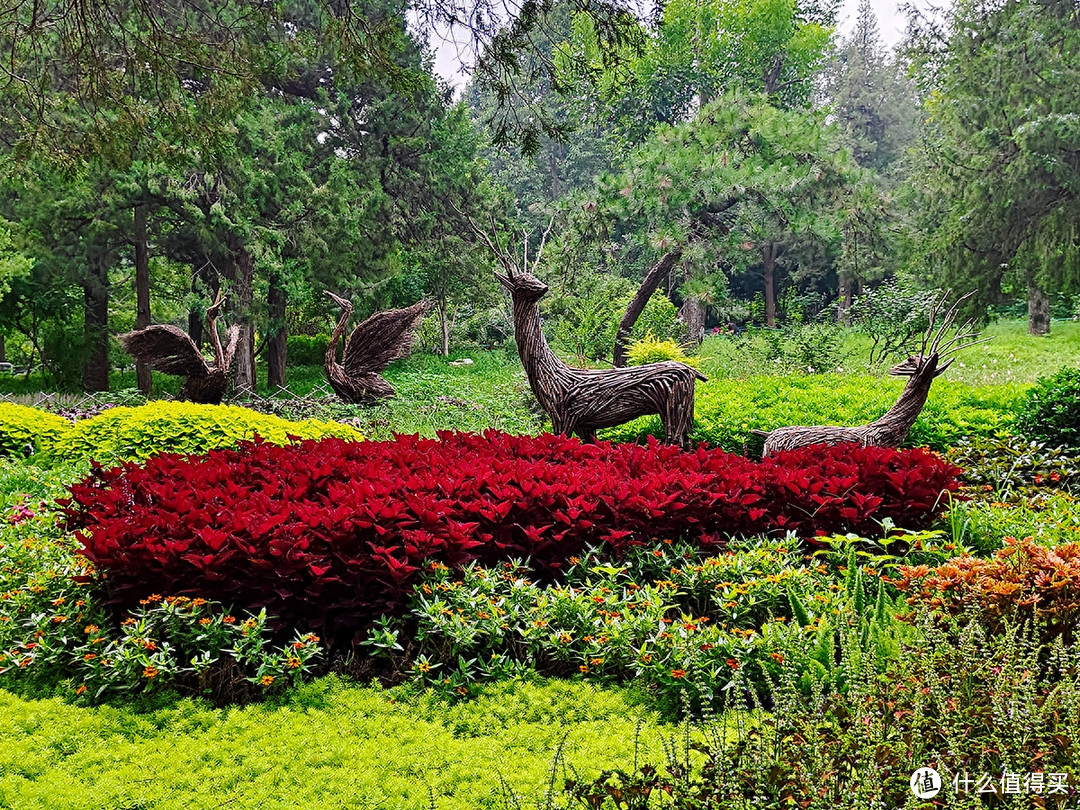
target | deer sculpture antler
[{"x": 936, "y": 354}]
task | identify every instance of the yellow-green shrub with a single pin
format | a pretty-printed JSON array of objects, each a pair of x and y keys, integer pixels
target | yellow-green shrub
[
  {"x": 650, "y": 349},
  {"x": 22, "y": 427},
  {"x": 181, "y": 427}
]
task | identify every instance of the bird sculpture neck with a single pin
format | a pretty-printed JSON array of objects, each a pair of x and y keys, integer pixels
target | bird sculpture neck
[
  {"x": 339, "y": 332},
  {"x": 546, "y": 372},
  {"x": 215, "y": 338},
  {"x": 892, "y": 429}
]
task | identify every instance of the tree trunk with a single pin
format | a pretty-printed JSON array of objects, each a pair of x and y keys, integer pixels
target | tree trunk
[
  {"x": 693, "y": 315},
  {"x": 445, "y": 324},
  {"x": 553, "y": 172},
  {"x": 142, "y": 291},
  {"x": 277, "y": 346},
  {"x": 3, "y": 350},
  {"x": 846, "y": 299},
  {"x": 1038, "y": 310},
  {"x": 95, "y": 375},
  {"x": 768, "y": 274},
  {"x": 637, "y": 305},
  {"x": 242, "y": 275}
]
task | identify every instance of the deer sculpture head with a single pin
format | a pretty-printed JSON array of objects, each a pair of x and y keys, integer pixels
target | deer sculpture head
[
  {"x": 523, "y": 285},
  {"x": 913, "y": 365}
]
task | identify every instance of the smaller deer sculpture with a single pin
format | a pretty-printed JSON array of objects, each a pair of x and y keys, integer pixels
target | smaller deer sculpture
[
  {"x": 935, "y": 355},
  {"x": 581, "y": 401}
]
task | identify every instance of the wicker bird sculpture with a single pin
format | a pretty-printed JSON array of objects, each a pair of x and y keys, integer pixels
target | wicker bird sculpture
[
  {"x": 372, "y": 346},
  {"x": 168, "y": 349},
  {"x": 935, "y": 355}
]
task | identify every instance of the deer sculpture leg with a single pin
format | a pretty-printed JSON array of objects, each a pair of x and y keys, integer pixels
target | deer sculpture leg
[{"x": 677, "y": 414}]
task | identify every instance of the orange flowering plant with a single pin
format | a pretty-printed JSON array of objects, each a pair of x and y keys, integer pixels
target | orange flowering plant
[{"x": 1022, "y": 581}]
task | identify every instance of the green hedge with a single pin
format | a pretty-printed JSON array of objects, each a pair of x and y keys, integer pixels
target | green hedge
[
  {"x": 1051, "y": 411},
  {"x": 307, "y": 350},
  {"x": 181, "y": 427},
  {"x": 726, "y": 410},
  {"x": 121, "y": 434},
  {"x": 22, "y": 428}
]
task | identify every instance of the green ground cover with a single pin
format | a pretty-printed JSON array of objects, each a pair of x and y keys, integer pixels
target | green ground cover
[{"x": 327, "y": 745}]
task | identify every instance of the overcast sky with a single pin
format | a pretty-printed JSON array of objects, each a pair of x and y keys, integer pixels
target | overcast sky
[
  {"x": 891, "y": 26},
  {"x": 891, "y": 23}
]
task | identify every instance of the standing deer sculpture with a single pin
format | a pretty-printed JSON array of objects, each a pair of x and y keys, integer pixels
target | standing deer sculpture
[
  {"x": 170, "y": 350},
  {"x": 581, "y": 401},
  {"x": 892, "y": 429}
]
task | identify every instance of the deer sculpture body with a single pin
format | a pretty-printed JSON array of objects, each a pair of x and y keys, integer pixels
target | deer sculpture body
[
  {"x": 384, "y": 337},
  {"x": 170, "y": 350},
  {"x": 892, "y": 429},
  {"x": 581, "y": 401}
]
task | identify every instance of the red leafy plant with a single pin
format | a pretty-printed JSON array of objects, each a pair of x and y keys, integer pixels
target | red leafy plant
[
  {"x": 1023, "y": 581},
  {"x": 329, "y": 534}
]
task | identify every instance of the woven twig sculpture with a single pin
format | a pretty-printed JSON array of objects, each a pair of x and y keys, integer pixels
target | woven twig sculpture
[
  {"x": 170, "y": 350},
  {"x": 581, "y": 401},
  {"x": 372, "y": 346},
  {"x": 892, "y": 429}
]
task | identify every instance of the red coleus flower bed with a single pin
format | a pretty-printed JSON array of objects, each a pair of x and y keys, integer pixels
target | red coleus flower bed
[{"x": 332, "y": 533}]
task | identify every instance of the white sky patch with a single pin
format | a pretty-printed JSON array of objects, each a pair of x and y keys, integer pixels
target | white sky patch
[{"x": 892, "y": 24}]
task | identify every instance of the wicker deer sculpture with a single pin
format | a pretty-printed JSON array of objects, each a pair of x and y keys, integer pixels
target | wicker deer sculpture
[
  {"x": 935, "y": 355},
  {"x": 170, "y": 350},
  {"x": 581, "y": 401},
  {"x": 370, "y": 348}
]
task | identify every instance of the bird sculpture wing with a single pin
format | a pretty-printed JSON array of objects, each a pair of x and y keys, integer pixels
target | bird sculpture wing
[
  {"x": 232, "y": 338},
  {"x": 167, "y": 349},
  {"x": 382, "y": 339}
]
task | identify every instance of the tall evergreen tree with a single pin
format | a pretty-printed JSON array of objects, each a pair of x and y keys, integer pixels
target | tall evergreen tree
[{"x": 1001, "y": 170}]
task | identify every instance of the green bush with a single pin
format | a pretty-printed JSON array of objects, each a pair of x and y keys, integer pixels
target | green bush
[
  {"x": 1051, "y": 411},
  {"x": 181, "y": 427},
  {"x": 490, "y": 328},
  {"x": 727, "y": 410},
  {"x": 800, "y": 348},
  {"x": 584, "y": 318},
  {"x": 660, "y": 318},
  {"x": 307, "y": 350},
  {"x": 23, "y": 428},
  {"x": 651, "y": 349}
]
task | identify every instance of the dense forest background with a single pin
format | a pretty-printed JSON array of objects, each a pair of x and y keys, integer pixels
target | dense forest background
[{"x": 735, "y": 160}]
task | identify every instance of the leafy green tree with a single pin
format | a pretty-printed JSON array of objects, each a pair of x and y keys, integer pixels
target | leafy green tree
[
  {"x": 728, "y": 193},
  {"x": 872, "y": 101},
  {"x": 700, "y": 49},
  {"x": 204, "y": 61},
  {"x": 1000, "y": 178}
]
